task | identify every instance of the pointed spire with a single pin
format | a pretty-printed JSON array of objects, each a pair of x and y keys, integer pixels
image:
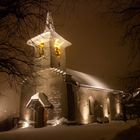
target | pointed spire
[{"x": 49, "y": 22}]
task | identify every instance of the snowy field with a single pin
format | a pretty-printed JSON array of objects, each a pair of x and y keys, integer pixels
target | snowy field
[{"x": 109, "y": 131}]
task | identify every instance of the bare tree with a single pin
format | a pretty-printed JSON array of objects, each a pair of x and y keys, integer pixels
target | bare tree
[
  {"x": 131, "y": 81},
  {"x": 128, "y": 13},
  {"x": 18, "y": 21}
]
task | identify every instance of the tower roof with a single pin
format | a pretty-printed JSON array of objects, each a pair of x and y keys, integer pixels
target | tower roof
[
  {"x": 45, "y": 37},
  {"x": 48, "y": 35}
]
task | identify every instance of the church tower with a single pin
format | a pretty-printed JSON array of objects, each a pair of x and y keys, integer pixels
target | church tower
[
  {"x": 50, "y": 47},
  {"x": 49, "y": 71}
]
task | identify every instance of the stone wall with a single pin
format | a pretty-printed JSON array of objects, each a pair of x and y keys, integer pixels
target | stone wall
[
  {"x": 53, "y": 85},
  {"x": 96, "y": 105}
]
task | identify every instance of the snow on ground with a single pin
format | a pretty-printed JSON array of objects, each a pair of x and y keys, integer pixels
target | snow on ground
[{"x": 77, "y": 132}]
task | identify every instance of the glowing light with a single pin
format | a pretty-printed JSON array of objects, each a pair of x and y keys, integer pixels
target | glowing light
[
  {"x": 61, "y": 71},
  {"x": 106, "y": 112},
  {"x": 41, "y": 48},
  {"x": 84, "y": 109},
  {"x": 27, "y": 115},
  {"x": 57, "y": 46},
  {"x": 58, "y": 70},
  {"x": 118, "y": 108},
  {"x": 41, "y": 45},
  {"x": 25, "y": 125},
  {"x": 57, "y": 51},
  {"x": 55, "y": 69},
  {"x": 85, "y": 113},
  {"x": 57, "y": 122},
  {"x": 106, "y": 108}
]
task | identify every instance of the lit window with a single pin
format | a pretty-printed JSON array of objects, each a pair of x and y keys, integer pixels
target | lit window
[
  {"x": 57, "y": 51},
  {"x": 40, "y": 49},
  {"x": 57, "y": 46}
]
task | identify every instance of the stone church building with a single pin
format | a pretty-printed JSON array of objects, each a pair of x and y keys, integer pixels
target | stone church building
[
  {"x": 64, "y": 96},
  {"x": 57, "y": 92}
]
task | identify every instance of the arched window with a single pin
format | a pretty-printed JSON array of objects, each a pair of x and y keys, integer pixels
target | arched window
[{"x": 91, "y": 105}]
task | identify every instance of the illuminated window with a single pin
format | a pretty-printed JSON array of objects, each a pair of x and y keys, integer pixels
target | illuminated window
[
  {"x": 57, "y": 46},
  {"x": 40, "y": 49},
  {"x": 57, "y": 51}
]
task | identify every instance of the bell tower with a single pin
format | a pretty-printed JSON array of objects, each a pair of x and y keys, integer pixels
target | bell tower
[{"x": 49, "y": 47}]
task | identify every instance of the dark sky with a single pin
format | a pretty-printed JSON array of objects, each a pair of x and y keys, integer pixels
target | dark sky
[{"x": 96, "y": 48}]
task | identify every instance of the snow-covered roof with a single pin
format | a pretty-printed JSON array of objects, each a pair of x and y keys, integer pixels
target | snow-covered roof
[
  {"x": 40, "y": 97},
  {"x": 89, "y": 81},
  {"x": 46, "y": 36},
  {"x": 86, "y": 79}
]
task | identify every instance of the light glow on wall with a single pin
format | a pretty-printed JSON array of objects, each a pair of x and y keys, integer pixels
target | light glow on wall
[
  {"x": 25, "y": 124},
  {"x": 106, "y": 111},
  {"x": 27, "y": 115},
  {"x": 106, "y": 107},
  {"x": 85, "y": 112},
  {"x": 118, "y": 108}
]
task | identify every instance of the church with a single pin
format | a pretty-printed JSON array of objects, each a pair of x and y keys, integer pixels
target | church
[{"x": 59, "y": 94}]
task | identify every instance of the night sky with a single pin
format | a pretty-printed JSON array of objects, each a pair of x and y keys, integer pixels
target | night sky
[{"x": 96, "y": 47}]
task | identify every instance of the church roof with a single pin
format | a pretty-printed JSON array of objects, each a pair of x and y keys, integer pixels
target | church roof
[
  {"x": 41, "y": 98},
  {"x": 86, "y": 79},
  {"x": 89, "y": 81}
]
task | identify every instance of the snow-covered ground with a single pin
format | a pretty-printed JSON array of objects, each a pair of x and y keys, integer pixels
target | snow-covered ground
[{"x": 79, "y": 132}]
